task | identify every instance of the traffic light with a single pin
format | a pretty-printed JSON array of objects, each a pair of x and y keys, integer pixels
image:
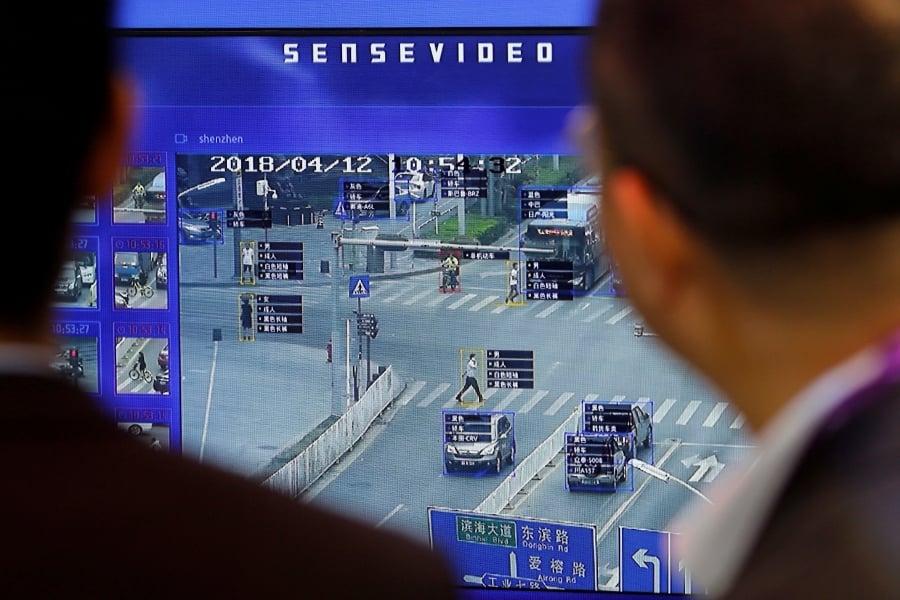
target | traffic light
[{"x": 373, "y": 327}]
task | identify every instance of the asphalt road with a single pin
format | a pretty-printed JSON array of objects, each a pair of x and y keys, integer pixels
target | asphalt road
[{"x": 244, "y": 401}]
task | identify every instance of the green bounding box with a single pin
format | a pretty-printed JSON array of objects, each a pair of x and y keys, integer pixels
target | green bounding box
[{"x": 496, "y": 532}]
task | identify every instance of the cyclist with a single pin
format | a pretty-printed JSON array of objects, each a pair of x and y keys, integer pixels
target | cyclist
[{"x": 141, "y": 363}]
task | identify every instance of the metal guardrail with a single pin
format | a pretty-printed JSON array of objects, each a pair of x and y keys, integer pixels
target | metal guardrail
[
  {"x": 304, "y": 469},
  {"x": 526, "y": 469}
]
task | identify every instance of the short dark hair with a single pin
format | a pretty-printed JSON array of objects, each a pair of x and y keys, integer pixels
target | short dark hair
[
  {"x": 56, "y": 76},
  {"x": 760, "y": 121}
]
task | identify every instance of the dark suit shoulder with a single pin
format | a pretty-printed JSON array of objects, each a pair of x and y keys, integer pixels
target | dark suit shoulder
[{"x": 836, "y": 527}]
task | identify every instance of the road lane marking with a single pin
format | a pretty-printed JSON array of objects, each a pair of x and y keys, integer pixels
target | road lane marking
[
  {"x": 599, "y": 313},
  {"x": 393, "y": 294},
  {"x": 414, "y": 388},
  {"x": 714, "y": 415},
  {"x": 549, "y": 310},
  {"x": 738, "y": 422},
  {"x": 617, "y": 399},
  {"x": 461, "y": 301},
  {"x": 688, "y": 412},
  {"x": 417, "y": 297},
  {"x": 440, "y": 298},
  {"x": 484, "y": 303},
  {"x": 558, "y": 403},
  {"x": 619, "y": 315},
  {"x": 499, "y": 309},
  {"x": 490, "y": 392},
  {"x": 644, "y": 402},
  {"x": 663, "y": 410},
  {"x": 433, "y": 395},
  {"x": 591, "y": 397},
  {"x": 614, "y": 519},
  {"x": 509, "y": 399},
  {"x": 538, "y": 396},
  {"x": 397, "y": 509}
]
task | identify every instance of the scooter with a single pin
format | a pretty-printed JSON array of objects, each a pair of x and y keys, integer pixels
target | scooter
[{"x": 449, "y": 280}]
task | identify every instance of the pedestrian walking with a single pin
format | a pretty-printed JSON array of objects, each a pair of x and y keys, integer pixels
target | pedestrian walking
[
  {"x": 513, "y": 292},
  {"x": 471, "y": 376}
]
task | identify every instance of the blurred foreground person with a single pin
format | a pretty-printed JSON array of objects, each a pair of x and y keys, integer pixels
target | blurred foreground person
[
  {"x": 89, "y": 511},
  {"x": 750, "y": 155}
]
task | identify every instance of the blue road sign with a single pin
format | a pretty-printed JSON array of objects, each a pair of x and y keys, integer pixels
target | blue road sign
[
  {"x": 359, "y": 286},
  {"x": 646, "y": 563},
  {"x": 495, "y": 551}
]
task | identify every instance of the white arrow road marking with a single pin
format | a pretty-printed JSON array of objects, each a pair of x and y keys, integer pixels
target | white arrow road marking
[{"x": 707, "y": 469}]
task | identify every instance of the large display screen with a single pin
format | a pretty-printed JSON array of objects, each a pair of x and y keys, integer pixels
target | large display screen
[{"x": 364, "y": 267}]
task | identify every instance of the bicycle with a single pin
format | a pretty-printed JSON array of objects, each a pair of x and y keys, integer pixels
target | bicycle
[
  {"x": 145, "y": 289},
  {"x": 136, "y": 374}
]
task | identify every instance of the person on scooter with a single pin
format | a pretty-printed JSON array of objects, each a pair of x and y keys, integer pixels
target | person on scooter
[{"x": 450, "y": 276}]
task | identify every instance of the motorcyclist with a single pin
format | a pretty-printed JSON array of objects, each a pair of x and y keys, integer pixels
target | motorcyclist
[
  {"x": 138, "y": 193},
  {"x": 450, "y": 266}
]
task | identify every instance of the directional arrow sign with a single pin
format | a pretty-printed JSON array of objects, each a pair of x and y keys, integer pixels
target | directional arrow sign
[
  {"x": 645, "y": 560},
  {"x": 645, "y": 563},
  {"x": 707, "y": 469}
]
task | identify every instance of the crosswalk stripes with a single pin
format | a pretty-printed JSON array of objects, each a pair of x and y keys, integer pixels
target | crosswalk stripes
[
  {"x": 509, "y": 399},
  {"x": 663, "y": 410},
  {"x": 619, "y": 316},
  {"x": 433, "y": 395},
  {"x": 411, "y": 390},
  {"x": 538, "y": 395},
  {"x": 396, "y": 292},
  {"x": 523, "y": 401},
  {"x": 714, "y": 415},
  {"x": 599, "y": 313},
  {"x": 558, "y": 403},
  {"x": 461, "y": 301},
  {"x": 689, "y": 411},
  {"x": 549, "y": 310},
  {"x": 499, "y": 309},
  {"x": 413, "y": 299},
  {"x": 481, "y": 304},
  {"x": 439, "y": 299}
]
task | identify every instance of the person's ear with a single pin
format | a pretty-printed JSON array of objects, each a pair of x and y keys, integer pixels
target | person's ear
[
  {"x": 108, "y": 151},
  {"x": 652, "y": 250}
]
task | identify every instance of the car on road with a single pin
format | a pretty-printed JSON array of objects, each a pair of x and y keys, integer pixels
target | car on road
[
  {"x": 69, "y": 282},
  {"x": 605, "y": 466},
  {"x": 135, "y": 428},
  {"x": 197, "y": 228},
  {"x": 161, "y": 382},
  {"x": 485, "y": 441},
  {"x": 128, "y": 267},
  {"x": 156, "y": 189},
  {"x": 641, "y": 425}
]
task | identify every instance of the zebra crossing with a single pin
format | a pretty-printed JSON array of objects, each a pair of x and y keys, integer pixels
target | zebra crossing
[
  {"x": 684, "y": 413},
  {"x": 415, "y": 292}
]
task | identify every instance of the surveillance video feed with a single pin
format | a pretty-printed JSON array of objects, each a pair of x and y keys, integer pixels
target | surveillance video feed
[
  {"x": 469, "y": 300},
  {"x": 377, "y": 262}
]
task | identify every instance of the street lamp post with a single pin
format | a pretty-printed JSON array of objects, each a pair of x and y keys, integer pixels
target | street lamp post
[{"x": 664, "y": 476}]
